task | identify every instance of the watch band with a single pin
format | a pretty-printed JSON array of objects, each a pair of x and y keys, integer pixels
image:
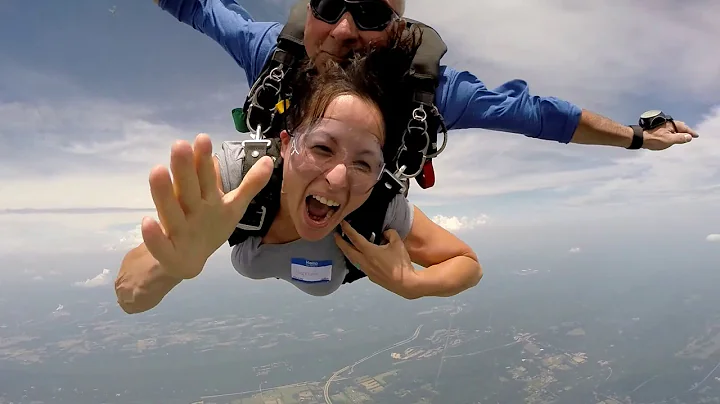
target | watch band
[{"x": 637, "y": 139}]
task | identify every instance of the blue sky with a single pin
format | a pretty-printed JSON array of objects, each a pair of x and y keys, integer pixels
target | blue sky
[{"x": 90, "y": 100}]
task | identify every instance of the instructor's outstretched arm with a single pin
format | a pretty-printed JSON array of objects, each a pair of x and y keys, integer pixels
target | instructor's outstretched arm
[
  {"x": 247, "y": 41},
  {"x": 595, "y": 129}
]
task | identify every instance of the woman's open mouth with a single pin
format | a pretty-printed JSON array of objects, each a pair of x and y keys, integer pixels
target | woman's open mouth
[{"x": 319, "y": 210}]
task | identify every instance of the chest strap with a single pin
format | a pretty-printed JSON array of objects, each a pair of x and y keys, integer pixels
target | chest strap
[
  {"x": 264, "y": 207},
  {"x": 369, "y": 219}
]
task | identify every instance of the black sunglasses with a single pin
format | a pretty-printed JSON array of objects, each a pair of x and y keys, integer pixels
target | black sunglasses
[{"x": 369, "y": 15}]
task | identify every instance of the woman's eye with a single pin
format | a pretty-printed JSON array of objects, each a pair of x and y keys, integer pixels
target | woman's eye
[
  {"x": 322, "y": 149},
  {"x": 361, "y": 165}
]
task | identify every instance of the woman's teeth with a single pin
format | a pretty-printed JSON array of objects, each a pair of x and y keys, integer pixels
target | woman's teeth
[{"x": 328, "y": 202}]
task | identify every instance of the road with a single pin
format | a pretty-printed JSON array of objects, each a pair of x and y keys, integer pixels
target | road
[
  {"x": 259, "y": 390},
  {"x": 524, "y": 339},
  {"x": 326, "y": 389}
]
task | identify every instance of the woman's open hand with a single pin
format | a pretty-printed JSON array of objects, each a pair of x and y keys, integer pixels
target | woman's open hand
[{"x": 196, "y": 217}]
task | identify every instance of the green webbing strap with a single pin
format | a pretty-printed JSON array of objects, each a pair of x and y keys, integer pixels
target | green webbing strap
[{"x": 240, "y": 122}]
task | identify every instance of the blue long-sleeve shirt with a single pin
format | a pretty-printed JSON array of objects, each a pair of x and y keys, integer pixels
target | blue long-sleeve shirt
[{"x": 462, "y": 98}]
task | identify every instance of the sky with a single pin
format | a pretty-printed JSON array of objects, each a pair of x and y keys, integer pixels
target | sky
[{"x": 93, "y": 93}]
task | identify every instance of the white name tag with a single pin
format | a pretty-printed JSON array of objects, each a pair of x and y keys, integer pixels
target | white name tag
[{"x": 303, "y": 270}]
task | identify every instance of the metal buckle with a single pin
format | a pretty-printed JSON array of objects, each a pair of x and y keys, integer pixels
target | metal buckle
[
  {"x": 444, "y": 131},
  {"x": 262, "y": 210},
  {"x": 392, "y": 181},
  {"x": 253, "y": 142},
  {"x": 272, "y": 81},
  {"x": 416, "y": 127},
  {"x": 251, "y": 227}
]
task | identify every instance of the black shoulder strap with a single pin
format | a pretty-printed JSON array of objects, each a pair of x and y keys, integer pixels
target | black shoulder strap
[
  {"x": 294, "y": 29},
  {"x": 263, "y": 208},
  {"x": 290, "y": 47},
  {"x": 425, "y": 121},
  {"x": 269, "y": 89},
  {"x": 260, "y": 109},
  {"x": 425, "y": 68}
]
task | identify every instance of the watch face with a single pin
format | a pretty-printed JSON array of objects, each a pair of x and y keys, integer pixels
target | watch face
[{"x": 650, "y": 114}]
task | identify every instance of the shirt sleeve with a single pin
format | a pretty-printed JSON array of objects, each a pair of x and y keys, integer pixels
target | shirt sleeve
[
  {"x": 249, "y": 42},
  {"x": 230, "y": 164},
  {"x": 465, "y": 102},
  {"x": 399, "y": 216}
]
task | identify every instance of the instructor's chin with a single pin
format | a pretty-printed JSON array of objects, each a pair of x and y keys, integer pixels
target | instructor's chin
[{"x": 323, "y": 58}]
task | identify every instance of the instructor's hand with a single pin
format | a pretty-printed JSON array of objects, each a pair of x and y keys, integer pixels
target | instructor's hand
[
  {"x": 672, "y": 133},
  {"x": 196, "y": 217},
  {"x": 387, "y": 265}
]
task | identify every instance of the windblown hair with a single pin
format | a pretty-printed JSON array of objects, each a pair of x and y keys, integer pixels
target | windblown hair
[{"x": 377, "y": 76}]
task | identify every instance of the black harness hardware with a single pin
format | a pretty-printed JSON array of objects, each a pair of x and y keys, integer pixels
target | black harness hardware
[
  {"x": 419, "y": 144},
  {"x": 263, "y": 208}
]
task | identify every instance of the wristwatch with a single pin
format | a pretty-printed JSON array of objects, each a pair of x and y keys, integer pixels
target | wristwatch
[{"x": 649, "y": 120}]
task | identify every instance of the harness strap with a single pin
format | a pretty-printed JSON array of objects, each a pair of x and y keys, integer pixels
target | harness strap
[
  {"x": 267, "y": 90},
  {"x": 424, "y": 75},
  {"x": 369, "y": 219},
  {"x": 425, "y": 62},
  {"x": 264, "y": 207}
]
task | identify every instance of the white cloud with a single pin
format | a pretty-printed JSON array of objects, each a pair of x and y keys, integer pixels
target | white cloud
[
  {"x": 60, "y": 311},
  {"x": 127, "y": 240},
  {"x": 581, "y": 49},
  {"x": 73, "y": 233},
  {"x": 680, "y": 173},
  {"x": 574, "y": 250},
  {"x": 126, "y": 146},
  {"x": 554, "y": 45},
  {"x": 101, "y": 279},
  {"x": 713, "y": 237},
  {"x": 456, "y": 224},
  {"x": 104, "y": 150},
  {"x": 479, "y": 164},
  {"x": 107, "y": 170}
]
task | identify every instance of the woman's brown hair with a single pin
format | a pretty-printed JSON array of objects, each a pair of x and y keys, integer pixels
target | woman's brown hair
[{"x": 377, "y": 76}]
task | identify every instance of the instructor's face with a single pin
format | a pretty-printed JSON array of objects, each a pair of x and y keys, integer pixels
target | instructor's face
[{"x": 325, "y": 41}]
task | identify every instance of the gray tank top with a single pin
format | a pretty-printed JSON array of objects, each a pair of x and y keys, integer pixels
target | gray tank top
[{"x": 315, "y": 267}]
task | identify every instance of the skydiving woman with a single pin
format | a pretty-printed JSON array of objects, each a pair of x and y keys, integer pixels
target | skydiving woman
[{"x": 341, "y": 129}]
